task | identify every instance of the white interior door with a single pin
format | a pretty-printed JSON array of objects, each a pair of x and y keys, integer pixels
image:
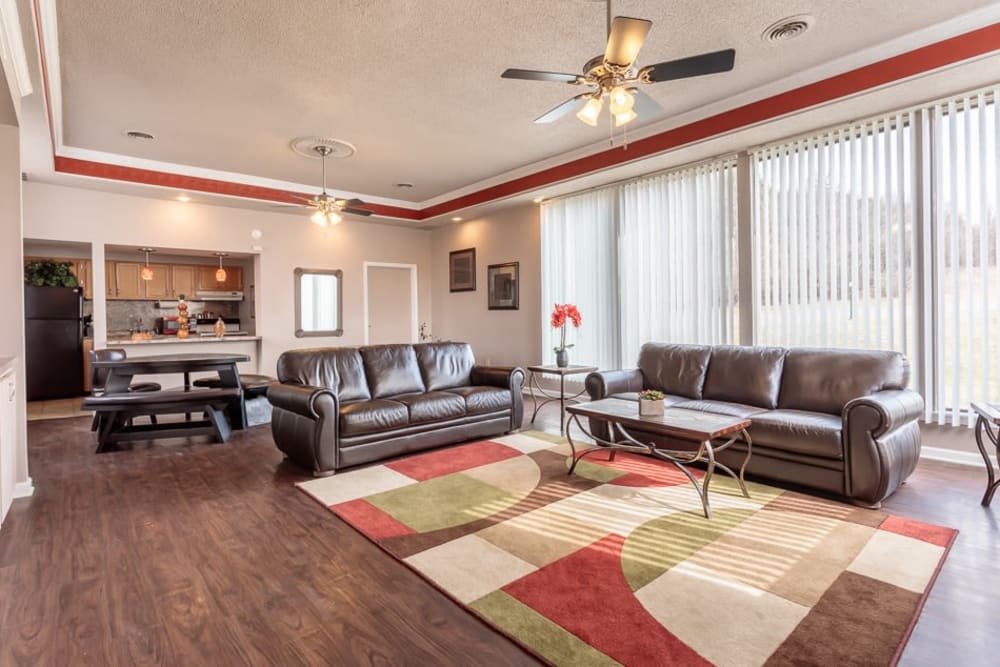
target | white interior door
[{"x": 391, "y": 303}]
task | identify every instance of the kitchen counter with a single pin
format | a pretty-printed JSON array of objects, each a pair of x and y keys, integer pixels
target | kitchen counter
[{"x": 174, "y": 340}]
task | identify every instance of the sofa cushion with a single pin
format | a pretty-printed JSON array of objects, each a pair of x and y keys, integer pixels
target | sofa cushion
[
  {"x": 483, "y": 399},
  {"x": 392, "y": 370},
  {"x": 432, "y": 406},
  {"x": 740, "y": 410},
  {"x": 674, "y": 369},
  {"x": 798, "y": 431},
  {"x": 668, "y": 401},
  {"x": 825, "y": 380},
  {"x": 750, "y": 375},
  {"x": 445, "y": 365},
  {"x": 336, "y": 368},
  {"x": 362, "y": 417}
]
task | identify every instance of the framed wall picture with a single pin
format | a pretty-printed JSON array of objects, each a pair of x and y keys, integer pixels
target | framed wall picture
[
  {"x": 503, "y": 286},
  {"x": 462, "y": 270}
]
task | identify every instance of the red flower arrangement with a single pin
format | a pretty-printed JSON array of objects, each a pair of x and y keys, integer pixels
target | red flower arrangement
[{"x": 560, "y": 313}]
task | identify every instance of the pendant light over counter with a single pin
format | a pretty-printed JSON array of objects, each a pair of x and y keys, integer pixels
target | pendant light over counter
[
  {"x": 147, "y": 270},
  {"x": 220, "y": 274}
]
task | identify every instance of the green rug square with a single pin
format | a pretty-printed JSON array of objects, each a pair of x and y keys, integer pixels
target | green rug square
[{"x": 443, "y": 502}]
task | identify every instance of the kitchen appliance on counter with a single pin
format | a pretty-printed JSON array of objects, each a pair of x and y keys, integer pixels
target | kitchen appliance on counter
[
  {"x": 53, "y": 345},
  {"x": 168, "y": 326}
]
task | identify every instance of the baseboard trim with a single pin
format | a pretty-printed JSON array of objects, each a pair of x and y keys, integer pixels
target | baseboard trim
[
  {"x": 24, "y": 489},
  {"x": 952, "y": 456}
]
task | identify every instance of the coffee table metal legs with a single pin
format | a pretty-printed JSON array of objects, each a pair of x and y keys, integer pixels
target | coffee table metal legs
[
  {"x": 620, "y": 439},
  {"x": 984, "y": 426}
]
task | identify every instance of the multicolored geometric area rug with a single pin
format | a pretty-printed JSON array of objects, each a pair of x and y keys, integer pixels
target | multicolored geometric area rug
[{"x": 617, "y": 565}]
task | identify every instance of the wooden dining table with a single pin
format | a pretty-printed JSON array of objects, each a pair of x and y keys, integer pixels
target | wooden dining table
[{"x": 120, "y": 378}]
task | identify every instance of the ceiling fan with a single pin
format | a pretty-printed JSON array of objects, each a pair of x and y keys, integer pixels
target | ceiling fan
[
  {"x": 328, "y": 209},
  {"x": 614, "y": 76}
]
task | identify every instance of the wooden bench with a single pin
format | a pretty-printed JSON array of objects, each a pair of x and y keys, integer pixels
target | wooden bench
[{"x": 116, "y": 411}]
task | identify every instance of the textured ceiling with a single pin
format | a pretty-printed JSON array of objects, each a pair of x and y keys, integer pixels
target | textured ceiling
[{"x": 414, "y": 84}]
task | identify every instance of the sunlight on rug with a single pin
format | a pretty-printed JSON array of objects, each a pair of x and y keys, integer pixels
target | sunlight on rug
[{"x": 617, "y": 565}]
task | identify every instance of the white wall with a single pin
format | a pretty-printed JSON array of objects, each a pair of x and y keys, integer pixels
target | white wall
[
  {"x": 497, "y": 336},
  {"x": 60, "y": 213},
  {"x": 12, "y": 279}
]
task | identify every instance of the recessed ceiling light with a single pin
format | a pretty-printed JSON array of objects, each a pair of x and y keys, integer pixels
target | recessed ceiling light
[
  {"x": 136, "y": 134},
  {"x": 788, "y": 28},
  {"x": 183, "y": 198},
  {"x": 457, "y": 218},
  {"x": 402, "y": 185},
  {"x": 538, "y": 200}
]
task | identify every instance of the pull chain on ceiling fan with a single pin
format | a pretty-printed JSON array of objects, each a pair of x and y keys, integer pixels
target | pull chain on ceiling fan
[{"x": 613, "y": 76}]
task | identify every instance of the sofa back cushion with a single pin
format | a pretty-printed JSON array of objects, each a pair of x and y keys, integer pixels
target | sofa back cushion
[
  {"x": 674, "y": 369},
  {"x": 824, "y": 380},
  {"x": 750, "y": 375},
  {"x": 392, "y": 370},
  {"x": 336, "y": 368},
  {"x": 445, "y": 365}
]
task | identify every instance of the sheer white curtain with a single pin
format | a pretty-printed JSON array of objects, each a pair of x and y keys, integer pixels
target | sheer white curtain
[
  {"x": 834, "y": 238},
  {"x": 679, "y": 258},
  {"x": 965, "y": 237},
  {"x": 579, "y": 266}
]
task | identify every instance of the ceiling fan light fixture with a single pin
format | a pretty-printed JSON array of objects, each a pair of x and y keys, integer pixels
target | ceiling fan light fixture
[
  {"x": 620, "y": 101},
  {"x": 625, "y": 118},
  {"x": 591, "y": 110}
]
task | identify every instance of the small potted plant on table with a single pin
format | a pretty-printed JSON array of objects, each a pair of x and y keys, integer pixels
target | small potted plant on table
[{"x": 651, "y": 403}]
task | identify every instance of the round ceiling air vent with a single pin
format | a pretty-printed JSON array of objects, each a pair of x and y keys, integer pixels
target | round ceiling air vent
[
  {"x": 307, "y": 146},
  {"x": 788, "y": 28}
]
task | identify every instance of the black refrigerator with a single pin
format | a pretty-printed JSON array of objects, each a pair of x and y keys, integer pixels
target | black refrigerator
[{"x": 53, "y": 341}]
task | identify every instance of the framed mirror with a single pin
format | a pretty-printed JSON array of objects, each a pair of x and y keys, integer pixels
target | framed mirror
[{"x": 318, "y": 302}]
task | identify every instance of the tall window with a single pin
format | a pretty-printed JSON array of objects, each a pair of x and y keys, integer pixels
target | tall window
[
  {"x": 649, "y": 260},
  {"x": 834, "y": 238},
  {"x": 965, "y": 238}
]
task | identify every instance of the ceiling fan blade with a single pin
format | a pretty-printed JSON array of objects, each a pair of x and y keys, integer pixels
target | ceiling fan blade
[
  {"x": 626, "y": 38},
  {"x": 567, "y": 107},
  {"x": 349, "y": 202},
  {"x": 356, "y": 211},
  {"x": 537, "y": 75},
  {"x": 706, "y": 63},
  {"x": 645, "y": 105}
]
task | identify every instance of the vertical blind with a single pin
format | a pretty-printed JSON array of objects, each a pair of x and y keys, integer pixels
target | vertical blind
[
  {"x": 580, "y": 266},
  {"x": 678, "y": 257},
  {"x": 834, "y": 238},
  {"x": 965, "y": 242},
  {"x": 649, "y": 260}
]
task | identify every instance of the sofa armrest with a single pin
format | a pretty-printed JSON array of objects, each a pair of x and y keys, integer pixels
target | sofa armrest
[
  {"x": 883, "y": 411},
  {"x": 506, "y": 377},
  {"x": 881, "y": 443},
  {"x": 303, "y": 399},
  {"x": 602, "y": 384},
  {"x": 305, "y": 425}
]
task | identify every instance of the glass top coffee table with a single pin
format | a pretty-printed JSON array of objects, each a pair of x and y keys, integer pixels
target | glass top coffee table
[{"x": 701, "y": 429}]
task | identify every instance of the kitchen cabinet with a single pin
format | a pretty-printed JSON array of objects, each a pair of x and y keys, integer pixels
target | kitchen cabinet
[
  {"x": 160, "y": 286},
  {"x": 184, "y": 280},
  {"x": 81, "y": 268},
  {"x": 232, "y": 283},
  {"x": 109, "y": 279},
  {"x": 88, "y": 346},
  {"x": 8, "y": 439},
  {"x": 128, "y": 280}
]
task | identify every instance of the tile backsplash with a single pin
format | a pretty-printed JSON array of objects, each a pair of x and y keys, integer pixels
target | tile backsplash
[{"x": 132, "y": 315}]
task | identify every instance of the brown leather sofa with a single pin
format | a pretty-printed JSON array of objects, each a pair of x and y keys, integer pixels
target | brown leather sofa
[
  {"x": 339, "y": 407},
  {"x": 841, "y": 421}
]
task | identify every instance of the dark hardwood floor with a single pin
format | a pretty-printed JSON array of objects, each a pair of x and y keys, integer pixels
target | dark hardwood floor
[{"x": 197, "y": 554}]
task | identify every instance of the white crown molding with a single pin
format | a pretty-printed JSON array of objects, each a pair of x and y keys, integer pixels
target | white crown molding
[
  {"x": 952, "y": 456},
  {"x": 12, "y": 45},
  {"x": 952, "y": 27}
]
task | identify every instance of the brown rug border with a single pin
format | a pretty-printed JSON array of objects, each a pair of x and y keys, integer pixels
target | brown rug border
[{"x": 530, "y": 651}]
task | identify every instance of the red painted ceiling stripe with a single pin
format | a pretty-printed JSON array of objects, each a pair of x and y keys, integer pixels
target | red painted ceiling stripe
[
  {"x": 164, "y": 179},
  {"x": 962, "y": 47},
  {"x": 933, "y": 56}
]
